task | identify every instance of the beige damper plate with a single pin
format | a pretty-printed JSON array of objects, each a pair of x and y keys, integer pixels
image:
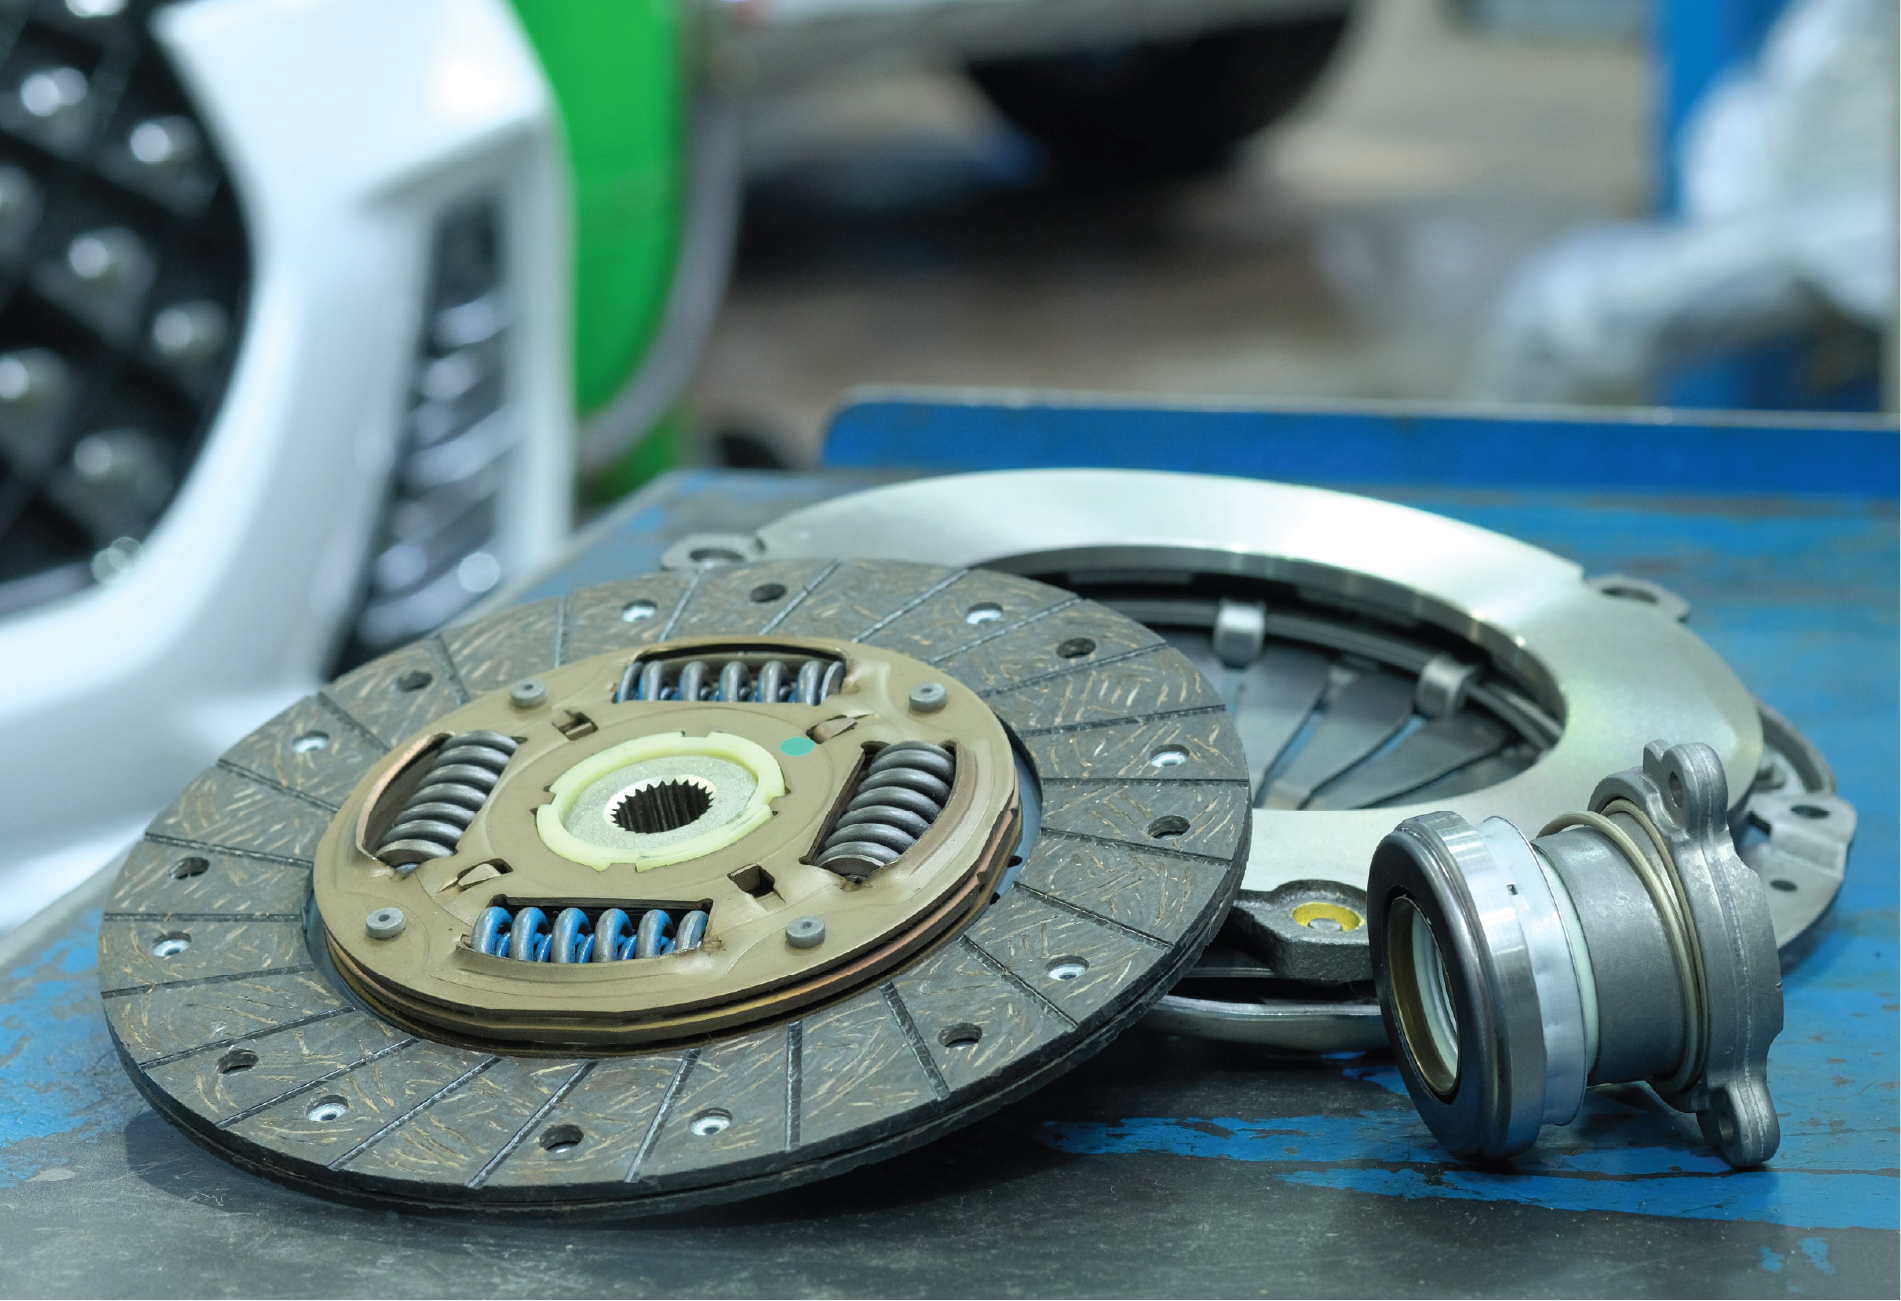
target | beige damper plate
[
  {"x": 428, "y": 975},
  {"x": 235, "y": 1025}
]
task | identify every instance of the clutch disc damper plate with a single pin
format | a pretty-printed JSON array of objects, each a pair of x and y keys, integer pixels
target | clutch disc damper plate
[{"x": 677, "y": 889}]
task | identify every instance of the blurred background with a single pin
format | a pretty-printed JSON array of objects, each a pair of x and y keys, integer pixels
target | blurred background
[
  {"x": 900, "y": 229},
  {"x": 320, "y": 324}
]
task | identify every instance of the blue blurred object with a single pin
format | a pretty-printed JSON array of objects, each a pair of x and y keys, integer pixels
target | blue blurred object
[
  {"x": 1777, "y": 376},
  {"x": 1766, "y": 281},
  {"x": 945, "y": 432},
  {"x": 1696, "y": 42}
]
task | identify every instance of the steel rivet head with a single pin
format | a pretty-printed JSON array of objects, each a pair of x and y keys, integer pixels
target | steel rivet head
[
  {"x": 805, "y": 933},
  {"x": 928, "y": 697},
  {"x": 529, "y": 693},
  {"x": 385, "y": 923}
]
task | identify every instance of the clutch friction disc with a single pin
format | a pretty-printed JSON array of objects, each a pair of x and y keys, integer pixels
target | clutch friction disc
[{"x": 677, "y": 889}]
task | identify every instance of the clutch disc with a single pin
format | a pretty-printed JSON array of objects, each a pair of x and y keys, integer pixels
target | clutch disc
[
  {"x": 678, "y": 889},
  {"x": 1381, "y": 663}
]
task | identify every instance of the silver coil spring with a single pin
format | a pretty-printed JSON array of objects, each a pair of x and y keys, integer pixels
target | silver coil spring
[
  {"x": 777, "y": 682},
  {"x": 461, "y": 777},
  {"x": 904, "y": 788},
  {"x": 526, "y": 934}
]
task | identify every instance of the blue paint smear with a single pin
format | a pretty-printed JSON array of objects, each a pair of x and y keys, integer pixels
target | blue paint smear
[
  {"x": 1392, "y": 1154},
  {"x": 1772, "y": 1261},
  {"x": 58, "y": 1072},
  {"x": 1619, "y": 1156},
  {"x": 1816, "y": 1249}
]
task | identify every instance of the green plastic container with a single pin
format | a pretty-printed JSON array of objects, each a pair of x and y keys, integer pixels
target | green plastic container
[{"x": 618, "y": 72}]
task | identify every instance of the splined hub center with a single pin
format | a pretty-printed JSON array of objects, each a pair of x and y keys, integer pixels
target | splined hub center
[
  {"x": 631, "y": 857},
  {"x": 657, "y": 805},
  {"x": 659, "y": 799}
]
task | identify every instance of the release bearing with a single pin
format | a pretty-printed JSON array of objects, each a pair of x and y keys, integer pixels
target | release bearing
[
  {"x": 677, "y": 889},
  {"x": 1626, "y": 942}
]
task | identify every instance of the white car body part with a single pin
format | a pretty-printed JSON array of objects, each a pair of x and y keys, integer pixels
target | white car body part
[{"x": 351, "y": 130}]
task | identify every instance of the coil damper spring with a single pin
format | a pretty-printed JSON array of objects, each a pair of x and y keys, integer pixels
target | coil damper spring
[
  {"x": 904, "y": 788},
  {"x": 526, "y": 935},
  {"x": 460, "y": 779},
  {"x": 777, "y": 682}
]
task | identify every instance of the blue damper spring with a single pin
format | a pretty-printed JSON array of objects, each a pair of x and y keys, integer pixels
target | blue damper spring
[
  {"x": 808, "y": 682},
  {"x": 526, "y": 936}
]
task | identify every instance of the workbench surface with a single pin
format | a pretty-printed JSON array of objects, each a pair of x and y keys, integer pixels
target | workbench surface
[{"x": 1164, "y": 1166}]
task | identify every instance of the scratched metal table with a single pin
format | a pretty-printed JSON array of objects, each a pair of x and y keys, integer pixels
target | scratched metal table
[{"x": 1163, "y": 1166}]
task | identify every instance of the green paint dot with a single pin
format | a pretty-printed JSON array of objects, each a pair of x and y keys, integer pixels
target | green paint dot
[{"x": 795, "y": 746}]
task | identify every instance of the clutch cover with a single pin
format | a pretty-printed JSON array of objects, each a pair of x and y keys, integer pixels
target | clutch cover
[
  {"x": 1381, "y": 663},
  {"x": 677, "y": 889}
]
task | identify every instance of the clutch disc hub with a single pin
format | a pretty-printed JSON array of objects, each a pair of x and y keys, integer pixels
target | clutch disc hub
[
  {"x": 701, "y": 810},
  {"x": 677, "y": 889}
]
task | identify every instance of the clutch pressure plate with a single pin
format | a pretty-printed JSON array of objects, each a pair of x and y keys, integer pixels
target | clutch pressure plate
[
  {"x": 677, "y": 889},
  {"x": 1380, "y": 663}
]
